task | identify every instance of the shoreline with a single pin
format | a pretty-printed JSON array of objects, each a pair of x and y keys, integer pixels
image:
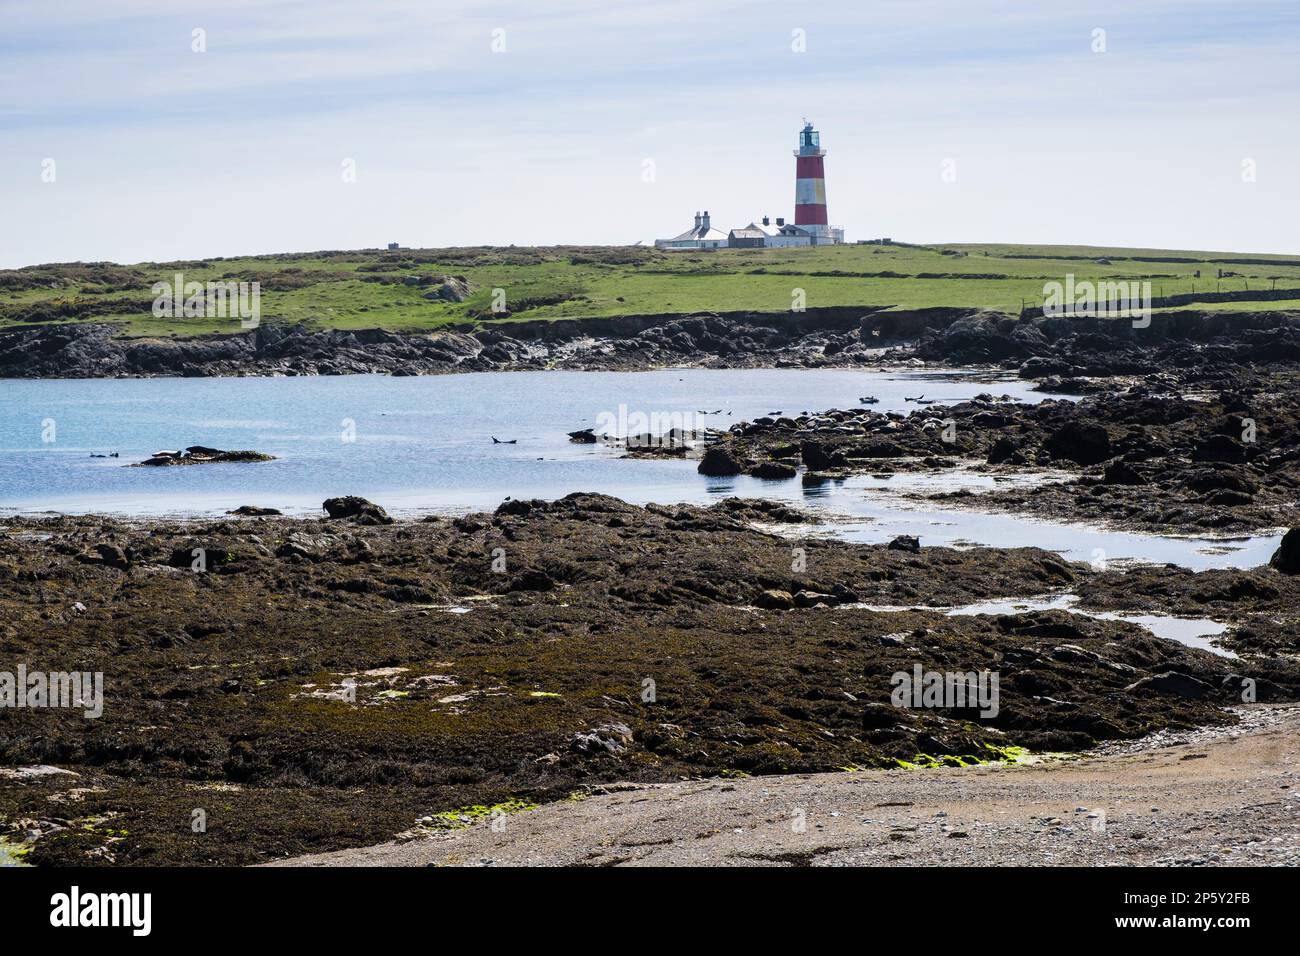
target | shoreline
[{"x": 1207, "y": 798}]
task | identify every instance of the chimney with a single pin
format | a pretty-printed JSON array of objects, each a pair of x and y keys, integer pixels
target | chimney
[
  {"x": 704, "y": 223},
  {"x": 765, "y": 222},
  {"x": 697, "y": 219},
  {"x": 779, "y": 221}
]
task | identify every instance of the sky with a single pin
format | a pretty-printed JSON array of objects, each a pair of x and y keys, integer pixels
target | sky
[{"x": 301, "y": 125}]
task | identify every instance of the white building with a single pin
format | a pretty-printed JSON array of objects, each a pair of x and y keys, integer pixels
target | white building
[
  {"x": 700, "y": 236},
  {"x": 769, "y": 234},
  {"x": 810, "y": 226}
]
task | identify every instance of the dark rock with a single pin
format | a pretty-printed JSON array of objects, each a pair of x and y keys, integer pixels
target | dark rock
[
  {"x": 718, "y": 462},
  {"x": 877, "y": 716},
  {"x": 358, "y": 509},
  {"x": 410, "y": 594},
  {"x": 983, "y": 337},
  {"x": 107, "y": 554},
  {"x": 905, "y": 542},
  {"x": 813, "y": 598},
  {"x": 583, "y": 436},
  {"x": 844, "y": 594},
  {"x": 1239, "y": 588},
  {"x": 1042, "y": 366},
  {"x": 1214, "y": 479},
  {"x": 211, "y": 558},
  {"x": 1287, "y": 556},
  {"x": 991, "y": 420},
  {"x": 1172, "y": 683},
  {"x": 1082, "y": 442},
  {"x": 1053, "y": 625},
  {"x": 519, "y": 507},
  {"x": 291, "y": 549},
  {"x": 202, "y": 455},
  {"x": 1228, "y": 498},
  {"x": 1219, "y": 448},
  {"x": 1004, "y": 451},
  {"x": 1265, "y": 689},
  {"x": 817, "y": 458},
  {"x": 775, "y": 600},
  {"x": 1122, "y": 473},
  {"x": 253, "y": 511},
  {"x": 531, "y": 580},
  {"x": 773, "y": 471}
]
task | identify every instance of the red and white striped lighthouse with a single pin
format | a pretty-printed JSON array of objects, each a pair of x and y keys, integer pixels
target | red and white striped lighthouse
[{"x": 810, "y": 188}]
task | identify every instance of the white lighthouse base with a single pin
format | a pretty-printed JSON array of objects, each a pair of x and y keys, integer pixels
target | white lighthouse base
[{"x": 825, "y": 235}]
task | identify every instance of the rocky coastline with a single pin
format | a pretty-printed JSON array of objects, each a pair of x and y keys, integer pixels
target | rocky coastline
[
  {"x": 323, "y": 683},
  {"x": 314, "y": 684},
  {"x": 1063, "y": 352}
]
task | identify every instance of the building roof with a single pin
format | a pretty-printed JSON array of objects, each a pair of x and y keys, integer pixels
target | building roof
[
  {"x": 756, "y": 230},
  {"x": 696, "y": 235}
]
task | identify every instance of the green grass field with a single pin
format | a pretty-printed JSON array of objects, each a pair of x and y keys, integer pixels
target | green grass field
[{"x": 365, "y": 289}]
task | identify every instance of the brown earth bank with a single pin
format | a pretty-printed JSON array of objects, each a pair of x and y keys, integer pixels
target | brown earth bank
[
  {"x": 1217, "y": 797},
  {"x": 311, "y": 685},
  {"x": 832, "y": 337}
]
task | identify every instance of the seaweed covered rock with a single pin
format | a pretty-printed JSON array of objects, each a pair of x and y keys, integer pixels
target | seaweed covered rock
[
  {"x": 1084, "y": 443},
  {"x": 718, "y": 462},
  {"x": 773, "y": 471},
  {"x": 202, "y": 455}
]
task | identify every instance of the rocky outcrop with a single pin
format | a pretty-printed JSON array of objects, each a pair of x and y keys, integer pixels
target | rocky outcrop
[
  {"x": 1181, "y": 451},
  {"x": 1064, "y": 350},
  {"x": 105, "y": 553},
  {"x": 1173, "y": 684},
  {"x": 356, "y": 509},
  {"x": 1084, "y": 443},
  {"x": 773, "y": 471},
  {"x": 452, "y": 289},
  {"x": 718, "y": 462},
  {"x": 1067, "y": 348},
  {"x": 906, "y": 542},
  {"x": 1287, "y": 556},
  {"x": 201, "y": 455}
]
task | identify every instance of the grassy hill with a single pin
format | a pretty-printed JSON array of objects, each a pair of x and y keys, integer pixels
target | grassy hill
[{"x": 368, "y": 288}]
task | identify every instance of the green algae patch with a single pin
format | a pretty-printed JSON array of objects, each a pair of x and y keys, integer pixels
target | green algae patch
[
  {"x": 991, "y": 754},
  {"x": 1007, "y": 754},
  {"x": 13, "y": 854},
  {"x": 464, "y": 817}
]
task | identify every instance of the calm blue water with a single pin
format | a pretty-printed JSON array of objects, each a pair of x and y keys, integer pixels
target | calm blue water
[
  {"x": 424, "y": 444},
  {"x": 420, "y": 443}
]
